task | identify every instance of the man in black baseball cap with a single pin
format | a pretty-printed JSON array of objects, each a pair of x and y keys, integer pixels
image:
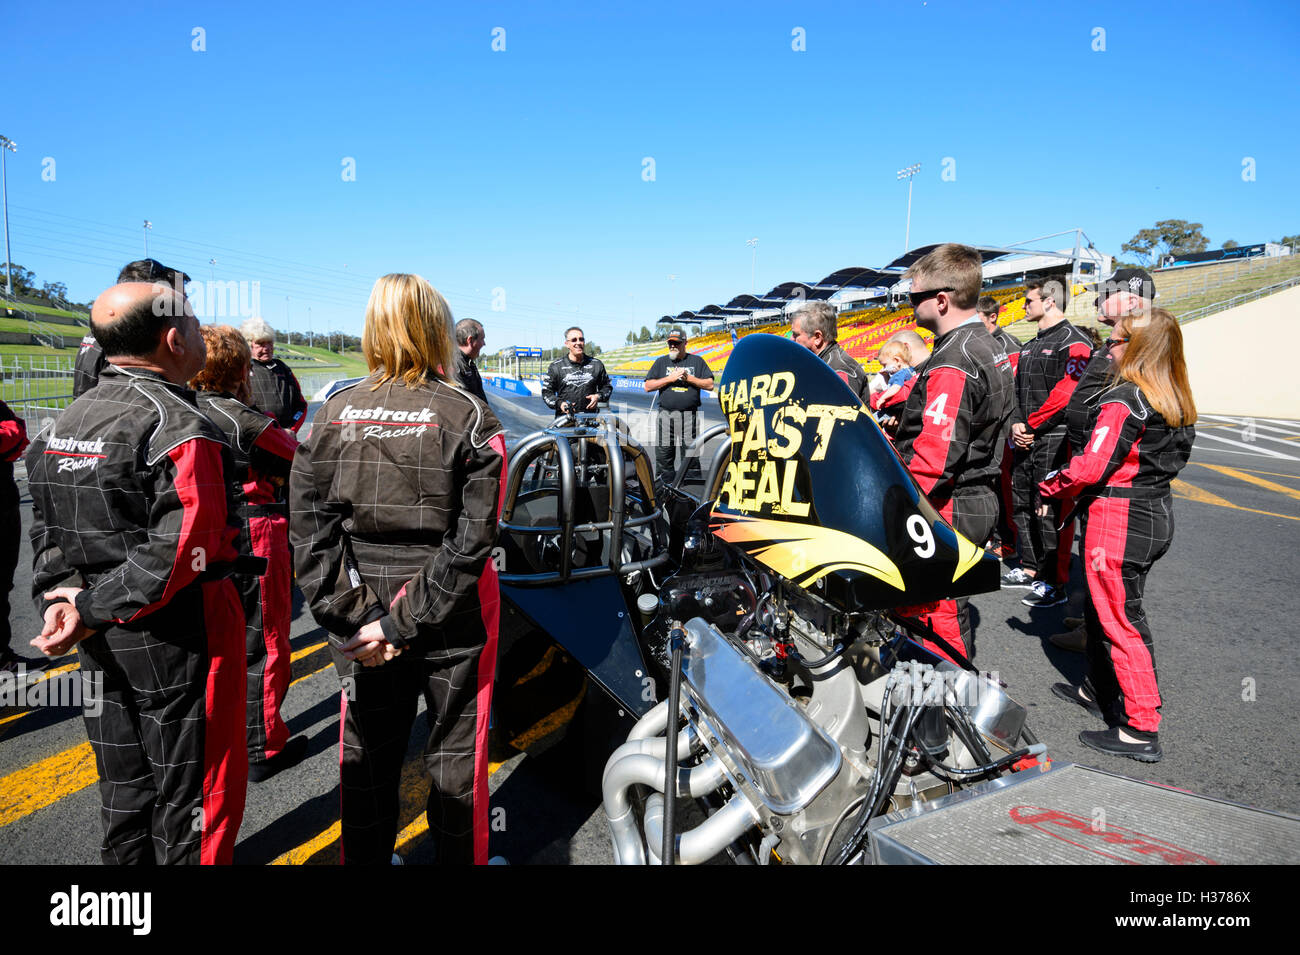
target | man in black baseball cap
[
  {"x": 1125, "y": 285},
  {"x": 679, "y": 378}
]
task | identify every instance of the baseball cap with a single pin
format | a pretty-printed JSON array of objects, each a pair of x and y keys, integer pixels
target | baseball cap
[
  {"x": 675, "y": 334},
  {"x": 1137, "y": 281}
]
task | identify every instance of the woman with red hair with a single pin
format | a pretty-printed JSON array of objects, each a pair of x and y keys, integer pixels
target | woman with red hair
[
  {"x": 263, "y": 453},
  {"x": 1141, "y": 440}
]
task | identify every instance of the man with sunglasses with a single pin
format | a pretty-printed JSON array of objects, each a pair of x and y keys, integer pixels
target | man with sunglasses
[
  {"x": 951, "y": 431},
  {"x": 1050, "y": 366},
  {"x": 677, "y": 380},
  {"x": 576, "y": 382}
]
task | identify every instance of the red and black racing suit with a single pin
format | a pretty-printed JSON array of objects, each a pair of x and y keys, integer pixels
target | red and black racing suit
[
  {"x": 90, "y": 361},
  {"x": 263, "y": 455},
  {"x": 1122, "y": 476},
  {"x": 130, "y": 501},
  {"x": 950, "y": 437},
  {"x": 1050, "y": 365},
  {"x": 276, "y": 393},
  {"x": 850, "y": 371},
  {"x": 394, "y": 502},
  {"x": 567, "y": 383},
  {"x": 13, "y": 439},
  {"x": 1006, "y": 527}
]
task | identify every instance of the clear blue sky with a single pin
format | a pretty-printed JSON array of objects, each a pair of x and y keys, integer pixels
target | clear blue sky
[{"x": 523, "y": 169}]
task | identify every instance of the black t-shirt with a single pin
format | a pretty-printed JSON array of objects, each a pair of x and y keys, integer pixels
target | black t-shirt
[{"x": 679, "y": 397}]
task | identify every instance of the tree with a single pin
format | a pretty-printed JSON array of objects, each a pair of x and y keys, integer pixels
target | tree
[
  {"x": 631, "y": 338},
  {"x": 1291, "y": 240},
  {"x": 24, "y": 281},
  {"x": 644, "y": 335},
  {"x": 1169, "y": 236},
  {"x": 1231, "y": 244},
  {"x": 54, "y": 290}
]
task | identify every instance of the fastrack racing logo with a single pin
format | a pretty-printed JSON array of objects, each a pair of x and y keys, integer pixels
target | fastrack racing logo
[
  {"x": 374, "y": 421},
  {"x": 76, "y": 455},
  {"x": 72, "y": 446},
  {"x": 1112, "y": 842}
]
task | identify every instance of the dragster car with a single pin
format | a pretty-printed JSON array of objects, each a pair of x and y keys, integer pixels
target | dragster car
[{"x": 752, "y": 693}]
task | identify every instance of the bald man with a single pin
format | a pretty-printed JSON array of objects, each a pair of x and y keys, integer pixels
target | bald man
[{"x": 134, "y": 537}]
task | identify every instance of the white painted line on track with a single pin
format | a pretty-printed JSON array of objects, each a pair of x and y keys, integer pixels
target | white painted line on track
[
  {"x": 1257, "y": 421},
  {"x": 1252, "y": 448}
]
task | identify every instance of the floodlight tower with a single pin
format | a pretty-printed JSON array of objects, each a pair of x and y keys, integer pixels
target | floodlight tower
[
  {"x": 7, "y": 145},
  {"x": 753, "y": 244},
  {"x": 907, "y": 174},
  {"x": 147, "y": 226}
]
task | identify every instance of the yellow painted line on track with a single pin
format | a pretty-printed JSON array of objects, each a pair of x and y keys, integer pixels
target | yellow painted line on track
[
  {"x": 299, "y": 654},
  {"x": 42, "y": 784},
  {"x": 542, "y": 666},
  {"x": 308, "y": 676},
  {"x": 53, "y": 671},
  {"x": 1290, "y": 477},
  {"x": 300, "y": 854},
  {"x": 1252, "y": 479},
  {"x": 548, "y": 724},
  {"x": 1192, "y": 493}
]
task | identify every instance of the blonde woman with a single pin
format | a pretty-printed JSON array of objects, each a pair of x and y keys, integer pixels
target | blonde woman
[
  {"x": 1141, "y": 440},
  {"x": 394, "y": 512}
]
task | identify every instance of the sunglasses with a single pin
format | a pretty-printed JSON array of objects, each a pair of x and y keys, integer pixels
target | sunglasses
[
  {"x": 572, "y": 340},
  {"x": 919, "y": 297}
]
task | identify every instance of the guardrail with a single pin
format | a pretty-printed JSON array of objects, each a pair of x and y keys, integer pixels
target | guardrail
[{"x": 1237, "y": 300}]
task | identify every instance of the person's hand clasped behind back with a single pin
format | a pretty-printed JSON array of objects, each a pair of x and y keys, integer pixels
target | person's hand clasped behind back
[
  {"x": 63, "y": 628},
  {"x": 369, "y": 647}
]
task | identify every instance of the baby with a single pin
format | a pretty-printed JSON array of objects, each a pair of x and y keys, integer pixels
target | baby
[{"x": 893, "y": 358}]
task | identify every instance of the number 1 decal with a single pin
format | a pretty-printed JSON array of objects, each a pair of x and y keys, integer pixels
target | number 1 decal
[{"x": 1101, "y": 436}]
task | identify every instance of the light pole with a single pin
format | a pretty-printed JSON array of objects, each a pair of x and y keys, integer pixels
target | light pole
[
  {"x": 753, "y": 244},
  {"x": 907, "y": 174},
  {"x": 210, "y": 300},
  {"x": 673, "y": 298},
  {"x": 309, "y": 339},
  {"x": 288, "y": 329},
  {"x": 7, "y": 145},
  {"x": 147, "y": 226}
]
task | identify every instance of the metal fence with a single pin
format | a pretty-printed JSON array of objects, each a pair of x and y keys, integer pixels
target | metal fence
[{"x": 1237, "y": 300}]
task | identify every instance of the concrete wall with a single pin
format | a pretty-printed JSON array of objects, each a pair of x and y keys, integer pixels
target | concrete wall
[{"x": 1243, "y": 361}]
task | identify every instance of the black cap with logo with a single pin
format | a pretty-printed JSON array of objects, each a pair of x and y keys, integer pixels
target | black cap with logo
[{"x": 1137, "y": 281}]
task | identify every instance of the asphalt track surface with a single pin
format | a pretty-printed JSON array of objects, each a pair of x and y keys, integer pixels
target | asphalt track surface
[{"x": 1221, "y": 604}]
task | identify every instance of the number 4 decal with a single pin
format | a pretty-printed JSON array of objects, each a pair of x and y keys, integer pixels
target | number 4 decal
[
  {"x": 935, "y": 411},
  {"x": 1100, "y": 437}
]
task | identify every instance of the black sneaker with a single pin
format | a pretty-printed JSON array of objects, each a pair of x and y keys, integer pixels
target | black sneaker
[
  {"x": 1108, "y": 742},
  {"x": 1078, "y": 695},
  {"x": 1016, "y": 578},
  {"x": 260, "y": 770},
  {"x": 1042, "y": 594}
]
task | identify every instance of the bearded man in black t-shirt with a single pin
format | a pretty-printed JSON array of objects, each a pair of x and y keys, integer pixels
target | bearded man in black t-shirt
[{"x": 678, "y": 377}]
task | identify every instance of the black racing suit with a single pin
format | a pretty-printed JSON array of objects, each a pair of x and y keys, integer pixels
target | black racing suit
[
  {"x": 1006, "y": 527},
  {"x": 263, "y": 455},
  {"x": 130, "y": 501},
  {"x": 951, "y": 437},
  {"x": 394, "y": 503},
  {"x": 13, "y": 439},
  {"x": 1050, "y": 365},
  {"x": 89, "y": 363},
  {"x": 850, "y": 371},
  {"x": 567, "y": 383},
  {"x": 1122, "y": 476},
  {"x": 468, "y": 376},
  {"x": 276, "y": 393}
]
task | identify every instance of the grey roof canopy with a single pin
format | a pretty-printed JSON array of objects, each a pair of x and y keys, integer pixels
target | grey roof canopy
[{"x": 787, "y": 293}]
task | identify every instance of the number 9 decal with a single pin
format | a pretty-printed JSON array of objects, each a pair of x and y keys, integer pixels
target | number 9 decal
[{"x": 919, "y": 531}]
